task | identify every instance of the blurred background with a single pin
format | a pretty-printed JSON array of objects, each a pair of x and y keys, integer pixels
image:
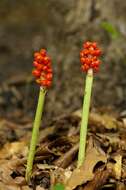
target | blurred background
[{"x": 60, "y": 26}]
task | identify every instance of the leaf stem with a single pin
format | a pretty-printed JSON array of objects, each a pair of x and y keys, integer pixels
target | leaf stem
[
  {"x": 85, "y": 114},
  {"x": 35, "y": 133}
]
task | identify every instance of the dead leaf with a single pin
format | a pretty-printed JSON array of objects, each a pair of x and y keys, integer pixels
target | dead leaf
[
  {"x": 67, "y": 158},
  {"x": 117, "y": 166},
  {"x": 6, "y": 169},
  {"x": 14, "y": 148},
  {"x": 85, "y": 172},
  {"x": 106, "y": 121},
  {"x": 99, "y": 179}
]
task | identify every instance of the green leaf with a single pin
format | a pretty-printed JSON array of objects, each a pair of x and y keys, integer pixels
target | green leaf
[
  {"x": 58, "y": 186},
  {"x": 112, "y": 30}
]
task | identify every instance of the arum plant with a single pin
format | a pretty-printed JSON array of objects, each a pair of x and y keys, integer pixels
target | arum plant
[
  {"x": 90, "y": 64},
  {"x": 43, "y": 75}
]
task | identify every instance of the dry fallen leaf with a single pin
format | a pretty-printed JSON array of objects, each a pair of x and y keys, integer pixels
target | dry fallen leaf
[
  {"x": 85, "y": 172},
  {"x": 117, "y": 166},
  {"x": 67, "y": 158},
  {"x": 6, "y": 169},
  {"x": 14, "y": 148},
  {"x": 99, "y": 179},
  {"x": 105, "y": 120},
  {"x": 7, "y": 182}
]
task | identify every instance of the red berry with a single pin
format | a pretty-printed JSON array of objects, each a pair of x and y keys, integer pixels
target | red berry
[
  {"x": 43, "y": 52},
  {"x": 87, "y": 61},
  {"x": 43, "y": 82},
  {"x": 86, "y": 52},
  {"x": 49, "y": 65},
  {"x": 97, "y": 52},
  {"x": 96, "y": 68},
  {"x": 48, "y": 83},
  {"x": 38, "y": 58},
  {"x": 94, "y": 58},
  {"x": 47, "y": 60},
  {"x": 81, "y": 54},
  {"x": 45, "y": 68},
  {"x": 94, "y": 44},
  {"x": 85, "y": 68},
  {"x": 49, "y": 76},
  {"x": 97, "y": 63},
  {"x": 40, "y": 67},
  {"x": 35, "y": 63},
  {"x": 49, "y": 70},
  {"x": 36, "y": 54},
  {"x": 36, "y": 73},
  {"x": 86, "y": 45},
  {"x": 82, "y": 59}
]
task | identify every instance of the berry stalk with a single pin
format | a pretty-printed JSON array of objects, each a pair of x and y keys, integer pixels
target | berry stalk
[
  {"x": 85, "y": 114},
  {"x": 35, "y": 133}
]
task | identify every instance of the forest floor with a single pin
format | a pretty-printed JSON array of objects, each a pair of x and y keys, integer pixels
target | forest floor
[
  {"x": 56, "y": 155},
  {"x": 61, "y": 27}
]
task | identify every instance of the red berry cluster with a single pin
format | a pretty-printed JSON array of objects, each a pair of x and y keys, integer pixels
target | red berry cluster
[
  {"x": 43, "y": 70},
  {"x": 89, "y": 56}
]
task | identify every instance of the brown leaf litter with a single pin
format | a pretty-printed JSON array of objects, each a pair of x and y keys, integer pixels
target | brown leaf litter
[{"x": 56, "y": 155}]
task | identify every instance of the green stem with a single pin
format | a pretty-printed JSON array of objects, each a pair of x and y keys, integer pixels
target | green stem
[
  {"x": 85, "y": 114},
  {"x": 35, "y": 133}
]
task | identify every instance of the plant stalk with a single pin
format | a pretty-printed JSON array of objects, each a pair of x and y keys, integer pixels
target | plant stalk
[
  {"x": 35, "y": 134},
  {"x": 85, "y": 115}
]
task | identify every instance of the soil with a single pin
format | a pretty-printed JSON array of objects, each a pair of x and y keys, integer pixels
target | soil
[{"x": 61, "y": 27}]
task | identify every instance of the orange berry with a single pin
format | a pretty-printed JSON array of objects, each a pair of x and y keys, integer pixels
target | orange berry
[
  {"x": 36, "y": 54},
  {"x": 82, "y": 59},
  {"x": 43, "y": 52},
  {"x": 36, "y": 73},
  {"x": 35, "y": 63},
  {"x": 86, "y": 45},
  {"x": 45, "y": 68},
  {"x": 81, "y": 54},
  {"x": 48, "y": 83},
  {"x": 97, "y": 63},
  {"x": 87, "y": 61},
  {"x": 49, "y": 70},
  {"x": 47, "y": 60},
  {"x": 86, "y": 52},
  {"x": 49, "y": 76},
  {"x": 94, "y": 44},
  {"x": 97, "y": 52}
]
